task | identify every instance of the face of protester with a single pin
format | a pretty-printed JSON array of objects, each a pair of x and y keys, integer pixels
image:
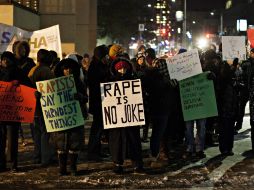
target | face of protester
[
  {"x": 141, "y": 61},
  {"x": 122, "y": 71},
  {"x": 252, "y": 55},
  {"x": 66, "y": 71},
  {"x": 85, "y": 63},
  {"x": 21, "y": 52},
  {"x": 3, "y": 63}
]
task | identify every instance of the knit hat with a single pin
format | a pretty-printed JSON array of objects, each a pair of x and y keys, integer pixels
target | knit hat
[
  {"x": 115, "y": 50},
  {"x": 121, "y": 64},
  {"x": 140, "y": 55},
  {"x": 150, "y": 52}
]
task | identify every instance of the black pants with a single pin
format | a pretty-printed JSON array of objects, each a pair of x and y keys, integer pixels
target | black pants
[
  {"x": 94, "y": 144},
  {"x": 226, "y": 134},
  {"x": 241, "y": 104},
  {"x": 125, "y": 142},
  {"x": 9, "y": 134}
]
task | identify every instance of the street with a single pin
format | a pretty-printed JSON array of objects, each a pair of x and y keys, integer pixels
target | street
[{"x": 212, "y": 172}]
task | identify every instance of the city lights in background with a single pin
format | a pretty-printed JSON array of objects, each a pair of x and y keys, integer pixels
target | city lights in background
[{"x": 202, "y": 43}]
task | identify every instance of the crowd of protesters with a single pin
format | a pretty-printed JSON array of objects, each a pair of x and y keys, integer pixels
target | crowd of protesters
[{"x": 233, "y": 83}]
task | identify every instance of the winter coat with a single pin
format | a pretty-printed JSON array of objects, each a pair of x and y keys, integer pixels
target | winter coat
[
  {"x": 161, "y": 94},
  {"x": 26, "y": 64},
  {"x": 98, "y": 72},
  {"x": 71, "y": 139},
  {"x": 227, "y": 95}
]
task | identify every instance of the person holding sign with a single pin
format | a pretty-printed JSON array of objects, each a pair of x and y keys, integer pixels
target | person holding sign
[
  {"x": 124, "y": 137},
  {"x": 9, "y": 130},
  {"x": 162, "y": 104},
  {"x": 69, "y": 142}
]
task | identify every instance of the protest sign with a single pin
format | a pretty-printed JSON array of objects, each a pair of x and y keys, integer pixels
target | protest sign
[
  {"x": 233, "y": 47},
  {"x": 122, "y": 104},
  {"x": 48, "y": 38},
  {"x": 184, "y": 65},
  {"x": 60, "y": 110},
  {"x": 17, "y": 103},
  {"x": 250, "y": 34},
  {"x": 198, "y": 97}
]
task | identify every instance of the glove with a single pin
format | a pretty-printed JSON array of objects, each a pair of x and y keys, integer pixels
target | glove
[
  {"x": 173, "y": 83},
  {"x": 211, "y": 76},
  {"x": 37, "y": 95}
]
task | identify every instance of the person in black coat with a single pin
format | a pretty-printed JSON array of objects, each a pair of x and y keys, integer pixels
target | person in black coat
[
  {"x": 124, "y": 141},
  {"x": 69, "y": 142},
  {"x": 98, "y": 72},
  {"x": 10, "y": 72}
]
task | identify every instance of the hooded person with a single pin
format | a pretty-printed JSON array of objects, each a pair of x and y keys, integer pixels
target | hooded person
[
  {"x": 10, "y": 72},
  {"x": 124, "y": 141},
  {"x": 98, "y": 72},
  {"x": 69, "y": 142},
  {"x": 21, "y": 50}
]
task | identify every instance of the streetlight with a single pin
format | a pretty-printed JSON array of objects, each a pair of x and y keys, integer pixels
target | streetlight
[{"x": 184, "y": 24}]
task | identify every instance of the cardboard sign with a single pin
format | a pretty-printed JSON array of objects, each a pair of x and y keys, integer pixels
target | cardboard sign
[
  {"x": 60, "y": 110},
  {"x": 48, "y": 38},
  {"x": 17, "y": 103},
  {"x": 184, "y": 65},
  {"x": 233, "y": 47},
  {"x": 198, "y": 97},
  {"x": 250, "y": 34},
  {"x": 122, "y": 104}
]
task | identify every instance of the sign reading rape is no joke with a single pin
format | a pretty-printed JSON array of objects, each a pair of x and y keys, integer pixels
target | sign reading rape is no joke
[{"x": 122, "y": 104}]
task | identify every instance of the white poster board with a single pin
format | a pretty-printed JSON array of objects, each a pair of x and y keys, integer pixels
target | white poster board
[
  {"x": 184, "y": 65},
  {"x": 122, "y": 104},
  {"x": 233, "y": 47},
  {"x": 48, "y": 38}
]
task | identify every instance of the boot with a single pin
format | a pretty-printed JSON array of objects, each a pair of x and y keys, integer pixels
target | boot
[
  {"x": 62, "y": 158},
  {"x": 73, "y": 162}
]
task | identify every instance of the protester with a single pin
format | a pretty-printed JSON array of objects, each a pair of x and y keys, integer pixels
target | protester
[
  {"x": 9, "y": 131},
  {"x": 139, "y": 67},
  {"x": 161, "y": 104},
  {"x": 69, "y": 142},
  {"x": 248, "y": 77},
  {"x": 123, "y": 137},
  {"x": 43, "y": 151},
  {"x": 226, "y": 103},
  {"x": 98, "y": 72}
]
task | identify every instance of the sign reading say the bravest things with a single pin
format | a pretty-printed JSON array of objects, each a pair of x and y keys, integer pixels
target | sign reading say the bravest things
[{"x": 122, "y": 104}]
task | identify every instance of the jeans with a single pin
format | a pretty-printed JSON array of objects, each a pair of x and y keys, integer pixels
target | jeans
[
  {"x": 43, "y": 151},
  {"x": 160, "y": 132},
  {"x": 200, "y": 135}
]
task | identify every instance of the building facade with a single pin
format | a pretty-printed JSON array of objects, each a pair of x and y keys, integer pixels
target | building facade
[{"x": 77, "y": 20}]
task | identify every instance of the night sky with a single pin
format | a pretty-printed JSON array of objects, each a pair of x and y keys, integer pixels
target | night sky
[{"x": 206, "y": 5}]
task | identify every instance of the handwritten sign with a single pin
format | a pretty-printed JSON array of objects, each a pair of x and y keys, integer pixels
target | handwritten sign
[
  {"x": 233, "y": 47},
  {"x": 184, "y": 65},
  {"x": 122, "y": 104},
  {"x": 48, "y": 38},
  {"x": 198, "y": 97},
  {"x": 17, "y": 103},
  {"x": 60, "y": 110}
]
